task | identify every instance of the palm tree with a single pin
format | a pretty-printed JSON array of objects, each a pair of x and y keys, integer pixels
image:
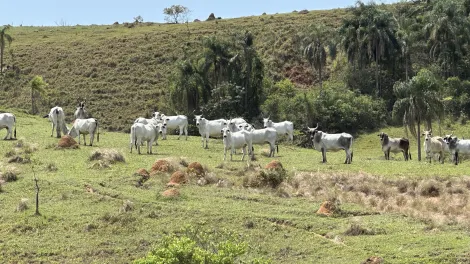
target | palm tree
[
  {"x": 315, "y": 49},
  {"x": 216, "y": 57},
  {"x": 4, "y": 37},
  {"x": 418, "y": 102},
  {"x": 37, "y": 87}
]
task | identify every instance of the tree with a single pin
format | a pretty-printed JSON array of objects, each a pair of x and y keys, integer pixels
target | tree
[
  {"x": 418, "y": 101},
  {"x": 176, "y": 14},
  {"x": 316, "y": 42},
  {"x": 4, "y": 37},
  {"x": 37, "y": 87}
]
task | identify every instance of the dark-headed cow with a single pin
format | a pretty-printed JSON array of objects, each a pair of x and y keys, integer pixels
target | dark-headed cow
[
  {"x": 394, "y": 145},
  {"x": 433, "y": 145},
  {"x": 8, "y": 121},
  {"x": 457, "y": 147},
  {"x": 282, "y": 128},
  {"x": 209, "y": 128},
  {"x": 80, "y": 113},
  {"x": 85, "y": 127},
  {"x": 57, "y": 118},
  {"x": 325, "y": 142}
]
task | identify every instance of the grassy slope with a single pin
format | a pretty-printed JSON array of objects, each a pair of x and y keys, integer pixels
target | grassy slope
[
  {"x": 125, "y": 71},
  {"x": 78, "y": 226}
]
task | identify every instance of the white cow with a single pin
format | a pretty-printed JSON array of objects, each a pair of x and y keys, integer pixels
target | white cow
[
  {"x": 234, "y": 123},
  {"x": 141, "y": 132},
  {"x": 80, "y": 113},
  {"x": 85, "y": 127},
  {"x": 282, "y": 128},
  {"x": 262, "y": 136},
  {"x": 174, "y": 122},
  {"x": 457, "y": 147},
  {"x": 209, "y": 128},
  {"x": 433, "y": 145},
  {"x": 324, "y": 142},
  {"x": 57, "y": 118},
  {"x": 236, "y": 140},
  {"x": 8, "y": 120}
]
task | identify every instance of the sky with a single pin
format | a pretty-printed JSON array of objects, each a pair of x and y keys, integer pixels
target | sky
[{"x": 106, "y": 12}]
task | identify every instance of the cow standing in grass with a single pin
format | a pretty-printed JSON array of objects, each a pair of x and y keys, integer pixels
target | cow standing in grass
[
  {"x": 395, "y": 145},
  {"x": 85, "y": 127},
  {"x": 282, "y": 128},
  {"x": 57, "y": 118},
  {"x": 174, "y": 122},
  {"x": 148, "y": 133},
  {"x": 209, "y": 128},
  {"x": 433, "y": 145},
  {"x": 325, "y": 142},
  {"x": 8, "y": 121},
  {"x": 236, "y": 140},
  {"x": 457, "y": 147}
]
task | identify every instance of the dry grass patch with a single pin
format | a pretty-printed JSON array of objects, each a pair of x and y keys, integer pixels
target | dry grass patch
[
  {"x": 9, "y": 174},
  {"x": 22, "y": 205},
  {"x": 108, "y": 155}
]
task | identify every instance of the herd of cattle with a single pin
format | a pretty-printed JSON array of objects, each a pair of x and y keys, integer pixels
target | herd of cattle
[{"x": 238, "y": 134}]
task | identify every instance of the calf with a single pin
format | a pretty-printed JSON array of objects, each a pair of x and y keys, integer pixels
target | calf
[
  {"x": 209, "y": 128},
  {"x": 8, "y": 121},
  {"x": 263, "y": 136},
  {"x": 174, "y": 122},
  {"x": 80, "y": 113},
  {"x": 141, "y": 132},
  {"x": 85, "y": 127},
  {"x": 458, "y": 146},
  {"x": 282, "y": 128},
  {"x": 325, "y": 142},
  {"x": 395, "y": 145},
  {"x": 57, "y": 118},
  {"x": 433, "y": 145},
  {"x": 236, "y": 140}
]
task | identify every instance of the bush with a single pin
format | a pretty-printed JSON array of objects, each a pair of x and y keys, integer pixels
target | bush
[{"x": 195, "y": 246}]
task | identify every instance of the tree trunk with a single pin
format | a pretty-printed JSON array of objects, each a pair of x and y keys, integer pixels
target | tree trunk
[
  {"x": 37, "y": 196},
  {"x": 419, "y": 140}
]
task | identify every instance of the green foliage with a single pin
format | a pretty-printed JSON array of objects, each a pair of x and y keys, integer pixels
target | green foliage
[
  {"x": 176, "y": 14},
  {"x": 38, "y": 86},
  {"x": 198, "y": 246}
]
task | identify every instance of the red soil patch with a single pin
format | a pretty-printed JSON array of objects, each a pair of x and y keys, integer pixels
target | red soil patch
[
  {"x": 173, "y": 192},
  {"x": 196, "y": 168},
  {"x": 274, "y": 165},
  {"x": 142, "y": 172},
  {"x": 178, "y": 177},
  {"x": 161, "y": 166},
  {"x": 67, "y": 142},
  {"x": 327, "y": 208}
]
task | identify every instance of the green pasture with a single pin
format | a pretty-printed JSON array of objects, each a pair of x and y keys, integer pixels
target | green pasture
[{"x": 79, "y": 226}]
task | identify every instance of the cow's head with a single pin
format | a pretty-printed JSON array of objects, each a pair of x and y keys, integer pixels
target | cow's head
[
  {"x": 382, "y": 136},
  {"x": 427, "y": 135},
  {"x": 225, "y": 132},
  {"x": 81, "y": 104},
  {"x": 448, "y": 137},
  {"x": 312, "y": 132},
  {"x": 162, "y": 128},
  {"x": 156, "y": 115},
  {"x": 199, "y": 119},
  {"x": 267, "y": 122}
]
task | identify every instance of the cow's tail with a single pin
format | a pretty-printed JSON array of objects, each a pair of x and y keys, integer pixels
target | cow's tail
[
  {"x": 97, "y": 129},
  {"x": 14, "y": 119}
]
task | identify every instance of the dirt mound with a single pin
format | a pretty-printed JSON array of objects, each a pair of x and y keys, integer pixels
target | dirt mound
[
  {"x": 327, "y": 208},
  {"x": 67, "y": 142},
  {"x": 373, "y": 260},
  {"x": 108, "y": 155},
  {"x": 196, "y": 168},
  {"x": 173, "y": 192},
  {"x": 161, "y": 166},
  {"x": 178, "y": 177},
  {"x": 143, "y": 173},
  {"x": 274, "y": 165}
]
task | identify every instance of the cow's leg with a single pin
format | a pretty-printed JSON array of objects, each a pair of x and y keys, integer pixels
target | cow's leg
[
  {"x": 84, "y": 140},
  {"x": 244, "y": 152},
  {"x": 347, "y": 161},
  {"x": 442, "y": 157},
  {"x": 52, "y": 132},
  {"x": 207, "y": 140},
  {"x": 186, "y": 131},
  {"x": 272, "y": 150},
  {"x": 8, "y": 133},
  {"x": 456, "y": 158},
  {"x": 231, "y": 153},
  {"x": 92, "y": 138},
  {"x": 388, "y": 154},
  {"x": 57, "y": 128},
  {"x": 323, "y": 153},
  {"x": 149, "y": 146},
  {"x": 225, "y": 152},
  {"x": 405, "y": 156},
  {"x": 180, "y": 132}
]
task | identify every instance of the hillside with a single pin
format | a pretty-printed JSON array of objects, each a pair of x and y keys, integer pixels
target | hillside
[{"x": 124, "y": 71}]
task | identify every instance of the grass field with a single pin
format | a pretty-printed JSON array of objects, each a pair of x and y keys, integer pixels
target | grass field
[{"x": 393, "y": 203}]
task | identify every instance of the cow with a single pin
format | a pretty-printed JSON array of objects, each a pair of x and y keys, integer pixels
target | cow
[
  {"x": 209, "y": 128},
  {"x": 458, "y": 146},
  {"x": 395, "y": 145},
  {"x": 157, "y": 115},
  {"x": 57, "y": 118},
  {"x": 282, "y": 128},
  {"x": 325, "y": 142},
  {"x": 263, "y": 136},
  {"x": 8, "y": 121},
  {"x": 236, "y": 140},
  {"x": 174, "y": 122},
  {"x": 234, "y": 123},
  {"x": 80, "y": 113},
  {"x": 433, "y": 145},
  {"x": 141, "y": 132},
  {"x": 85, "y": 127}
]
